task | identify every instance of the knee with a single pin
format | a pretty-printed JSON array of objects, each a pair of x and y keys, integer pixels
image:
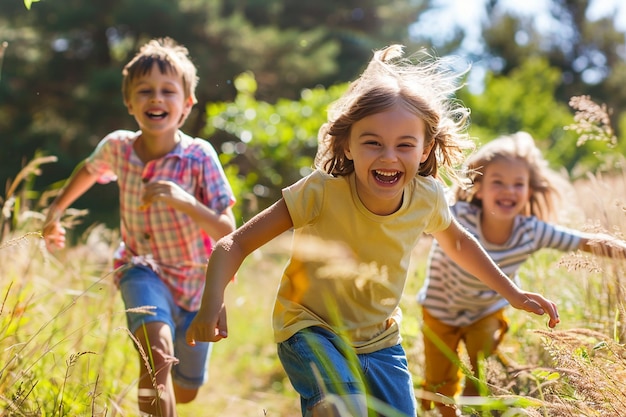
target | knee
[
  {"x": 341, "y": 405},
  {"x": 184, "y": 395}
]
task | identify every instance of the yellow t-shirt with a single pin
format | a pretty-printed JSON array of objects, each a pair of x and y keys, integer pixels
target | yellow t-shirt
[{"x": 348, "y": 266}]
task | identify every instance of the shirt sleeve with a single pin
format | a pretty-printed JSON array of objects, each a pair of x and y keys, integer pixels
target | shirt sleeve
[
  {"x": 102, "y": 160},
  {"x": 441, "y": 216},
  {"x": 305, "y": 198},
  {"x": 556, "y": 237},
  {"x": 215, "y": 190}
]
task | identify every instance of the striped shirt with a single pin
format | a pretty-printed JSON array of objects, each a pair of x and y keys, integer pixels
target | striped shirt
[
  {"x": 459, "y": 299},
  {"x": 165, "y": 239}
]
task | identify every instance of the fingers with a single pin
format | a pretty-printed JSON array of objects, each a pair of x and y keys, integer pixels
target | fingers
[
  {"x": 54, "y": 236},
  {"x": 201, "y": 331},
  {"x": 537, "y": 304},
  {"x": 222, "y": 325},
  {"x": 190, "y": 336}
]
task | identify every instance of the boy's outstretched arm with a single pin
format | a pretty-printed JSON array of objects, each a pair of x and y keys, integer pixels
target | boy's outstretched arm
[
  {"x": 80, "y": 181},
  {"x": 210, "y": 325},
  {"x": 467, "y": 252}
]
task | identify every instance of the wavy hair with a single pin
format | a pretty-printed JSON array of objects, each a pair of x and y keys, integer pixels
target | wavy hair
[
  {"x": 422, "y": 84},
  {"x": 544, "y": 182}
]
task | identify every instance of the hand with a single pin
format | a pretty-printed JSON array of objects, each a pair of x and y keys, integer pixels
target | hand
[
  {"x": 205, "y": 328},
  {"x": 167, "y": 192},
  {"x": 536, "y": 303},
  {"x": 54, "y": 235}
]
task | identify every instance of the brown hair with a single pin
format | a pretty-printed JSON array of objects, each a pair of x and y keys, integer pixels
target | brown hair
[
  {"x": 424, "y": 87},
  {"x": 170, "y": 57}
]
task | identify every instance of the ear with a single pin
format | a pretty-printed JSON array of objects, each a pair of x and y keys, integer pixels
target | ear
[
  {"x": 129, "y": 107},
  {"x": 186, "y": 109},
  {"x": 188, "y": 104},
  {"x": 347, "y": 153},
  {"x": 426, "y": 152}
]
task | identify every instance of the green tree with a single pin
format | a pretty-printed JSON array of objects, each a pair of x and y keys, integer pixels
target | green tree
[
  {"x": 525, "y": 99},
  {"x": 61, "y": 73},
  {"x": 273, "y": 144}
]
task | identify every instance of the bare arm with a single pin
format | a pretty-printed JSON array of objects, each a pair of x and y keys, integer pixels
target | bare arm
[
  {"x": 603, "y": 245},
  {"x": 467, "y": 252},
  {"x": 210, "y": 323},
  {"x": 80, "y": 181}
]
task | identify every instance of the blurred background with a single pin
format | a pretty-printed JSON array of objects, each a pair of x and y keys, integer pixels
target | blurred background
[{"x": 269, "y": 68}]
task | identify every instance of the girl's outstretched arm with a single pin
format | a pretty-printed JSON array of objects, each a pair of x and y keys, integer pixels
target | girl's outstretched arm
[
  {"x": 210, "y": 325},
  {"x": 467, "y": 252},
  {"x": 603, "y": 245}
]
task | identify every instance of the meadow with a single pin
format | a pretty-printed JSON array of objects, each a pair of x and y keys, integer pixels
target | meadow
[{"x": 65, "y": 351}]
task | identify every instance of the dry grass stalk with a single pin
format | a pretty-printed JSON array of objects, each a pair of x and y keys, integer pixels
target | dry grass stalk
[
  {"x": 593, "y": 373},
  {"x": 591, "y": 121}
]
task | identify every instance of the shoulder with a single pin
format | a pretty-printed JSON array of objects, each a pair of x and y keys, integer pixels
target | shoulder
[
  {"x": 463, "y": 208},
  {"x": 428, "y": 189},
  {"x": 121, "y": 136},
  {"x": 116, "y": 141},
  {"x": 316, "y": 180},
  {"x": 196, "y": 146}
]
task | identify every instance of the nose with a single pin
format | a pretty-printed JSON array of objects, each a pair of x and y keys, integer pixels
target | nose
[
  {"x": 388, "y": 154},
  {"x": 156, "y": 97}
]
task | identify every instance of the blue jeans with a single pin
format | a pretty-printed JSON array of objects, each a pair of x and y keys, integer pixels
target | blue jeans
[
  {"x": 140, "y": 286},
  {"x": 383, "y": 375}
]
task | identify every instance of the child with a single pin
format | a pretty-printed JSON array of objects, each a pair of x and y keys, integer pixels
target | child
[
  {"x": 174, "y": 201},
  {"x": 513, "y": 195},
  {"x": 373, "y": 194}
]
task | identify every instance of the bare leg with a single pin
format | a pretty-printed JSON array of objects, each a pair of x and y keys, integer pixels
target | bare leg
[{"x": 156, "y": 390}]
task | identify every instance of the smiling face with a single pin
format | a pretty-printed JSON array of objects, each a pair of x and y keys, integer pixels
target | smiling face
[
  {"x": 158, "y": 103},
  {"x": 504, "y": 189},
  {"x": 386, "y": 149}
]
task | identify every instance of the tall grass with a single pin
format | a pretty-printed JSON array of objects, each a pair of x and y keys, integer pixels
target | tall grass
[{"x": 65, "y": 350}]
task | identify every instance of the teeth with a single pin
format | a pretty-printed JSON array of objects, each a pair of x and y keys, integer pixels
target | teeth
[{"x": 387, "y": 174}]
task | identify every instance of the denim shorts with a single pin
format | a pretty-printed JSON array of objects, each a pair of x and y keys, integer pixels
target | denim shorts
[
  {"x": 383, "y": 375},
  {"x": 140, "y": 286}
]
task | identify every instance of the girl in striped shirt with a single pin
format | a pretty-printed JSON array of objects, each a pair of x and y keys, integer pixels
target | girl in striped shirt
[{"x": 513, "y": 195}]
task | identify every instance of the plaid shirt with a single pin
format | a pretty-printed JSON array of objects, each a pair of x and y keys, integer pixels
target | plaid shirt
[{"x": 167, "y": 240}]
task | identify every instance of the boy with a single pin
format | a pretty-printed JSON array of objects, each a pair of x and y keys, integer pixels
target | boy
[{"x": 174, "y": 202}]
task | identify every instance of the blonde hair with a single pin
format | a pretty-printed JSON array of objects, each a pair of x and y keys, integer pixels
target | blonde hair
[
  {"x": 423, "y": 86},
  {"x": 170, "y": 57},
  {"x": 544, "y": 182}
]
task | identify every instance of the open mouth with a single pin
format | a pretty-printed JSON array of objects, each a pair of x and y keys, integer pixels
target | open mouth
[
  {"x": 506, "y": 203},
  {"x": 387, "y": 177},
  {"x": 156, "y": 115}
]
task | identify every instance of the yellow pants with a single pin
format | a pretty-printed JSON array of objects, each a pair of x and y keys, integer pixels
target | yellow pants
[{"x": 481, "y": 339}]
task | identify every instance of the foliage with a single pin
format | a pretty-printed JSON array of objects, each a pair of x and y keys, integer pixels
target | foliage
[
  {"x": 61, "y": 74},
  {"x": 29, "y": 3},
  {"x": 525, "y": 100},
  {"x": 272, "y": 144}
]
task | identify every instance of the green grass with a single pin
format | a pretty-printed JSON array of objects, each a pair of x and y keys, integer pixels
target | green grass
[{"x": 64, "y": 350}]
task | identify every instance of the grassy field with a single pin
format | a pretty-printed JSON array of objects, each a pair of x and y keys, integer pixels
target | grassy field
[{"x": 64, "y": 349}]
